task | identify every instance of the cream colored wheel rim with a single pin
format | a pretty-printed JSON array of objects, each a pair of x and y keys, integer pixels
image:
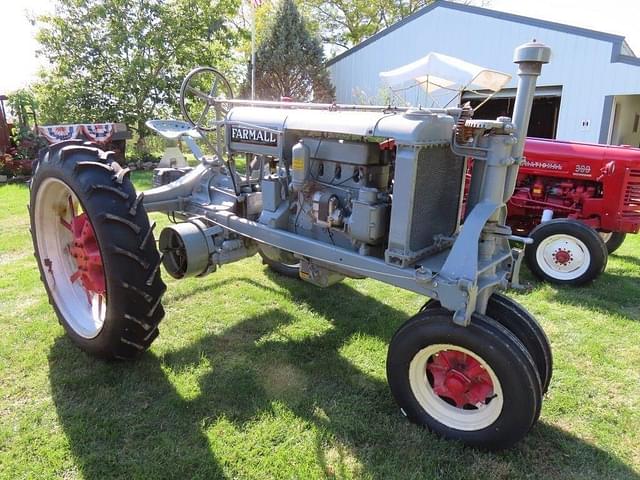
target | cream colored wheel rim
[
  {"x": 83, "y": 311},
  {"x": 449, "y": 415},
  {"x": 563, "y": 257}
]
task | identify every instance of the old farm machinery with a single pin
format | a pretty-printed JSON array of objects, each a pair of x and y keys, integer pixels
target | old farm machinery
[
  {"x": 333, "y": 191},
  {"x": 577, "y": 202}
]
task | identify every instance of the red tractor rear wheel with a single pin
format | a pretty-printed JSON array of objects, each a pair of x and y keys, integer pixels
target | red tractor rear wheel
[
  {"x": 613, "y": 240},
  {"x": 96, "y": 252}
]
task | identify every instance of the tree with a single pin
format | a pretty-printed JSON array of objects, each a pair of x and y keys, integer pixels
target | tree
[
  {"x": 23, "y": 106},
  {"x": 123, "y": 60},
  {"x": 290, "y": 61},
  {"x": 345, "y": 23}
]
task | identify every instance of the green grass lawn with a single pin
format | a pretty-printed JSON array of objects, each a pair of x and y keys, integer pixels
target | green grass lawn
[{"x": 255, "y": 376}]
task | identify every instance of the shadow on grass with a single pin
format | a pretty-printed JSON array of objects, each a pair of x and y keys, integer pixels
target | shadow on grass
[
  {"x": 627, "y": 258},
  {"x": 128, "y": 420},
  {"x": 613, "y": 293}
]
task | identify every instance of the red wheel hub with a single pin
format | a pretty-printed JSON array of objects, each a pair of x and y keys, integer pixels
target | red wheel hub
[
  {"x": 84, "y": 249},
  {"x": 562, "y": 256},
  {"x": 460, "y": 378}
]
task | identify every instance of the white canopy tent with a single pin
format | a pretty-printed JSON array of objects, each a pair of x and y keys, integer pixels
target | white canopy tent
[{"x": 439, "y": 75}]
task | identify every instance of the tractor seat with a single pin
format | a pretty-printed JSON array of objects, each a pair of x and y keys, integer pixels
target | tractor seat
[{"x": 172, "y": 129}]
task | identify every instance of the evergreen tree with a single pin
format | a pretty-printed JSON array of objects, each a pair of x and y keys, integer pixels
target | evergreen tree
[{"x": 290, "y": 61}]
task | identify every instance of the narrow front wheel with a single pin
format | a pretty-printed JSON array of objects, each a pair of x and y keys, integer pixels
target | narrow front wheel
[
  {"x": 477, "y": 384},
  {"x": 515, "y": 318}
]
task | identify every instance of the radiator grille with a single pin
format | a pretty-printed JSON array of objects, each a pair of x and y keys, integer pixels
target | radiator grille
[
  {"x": 631, "y": 198},
  {"x": 436, "y": 200}
]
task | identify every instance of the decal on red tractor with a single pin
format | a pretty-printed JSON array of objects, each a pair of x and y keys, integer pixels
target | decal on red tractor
[
  {"x": 583, "y": 170},
  {"x": 543, "y": 165},
  {"x": 253, "y": 135}
]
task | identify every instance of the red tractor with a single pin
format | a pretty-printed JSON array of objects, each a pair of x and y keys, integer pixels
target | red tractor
[
  {"x": 4, "y": 128},
  {"x": 577, "y": 202},
  {"x": 19, "y": 144}
]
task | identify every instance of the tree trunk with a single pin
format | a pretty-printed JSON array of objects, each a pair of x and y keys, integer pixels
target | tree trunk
[{"x": 141, "y": 144}]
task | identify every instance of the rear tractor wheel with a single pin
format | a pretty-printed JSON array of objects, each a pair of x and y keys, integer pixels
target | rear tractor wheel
[
  {"x": 566, "y": 252},
  {"x": 95, "y": 251},
  {"x": 476, "y": 384},
  {"x": 613, "y": 240}
]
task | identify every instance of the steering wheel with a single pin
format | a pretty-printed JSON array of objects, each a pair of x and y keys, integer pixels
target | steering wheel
[{"x": 200, "y": 97}]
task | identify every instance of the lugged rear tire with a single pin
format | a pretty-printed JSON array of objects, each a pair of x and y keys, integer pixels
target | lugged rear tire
[{"x": 71, "y": 176}]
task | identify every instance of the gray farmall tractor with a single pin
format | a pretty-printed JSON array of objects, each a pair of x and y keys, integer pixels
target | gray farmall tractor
[{"x": 324, "y": 192}]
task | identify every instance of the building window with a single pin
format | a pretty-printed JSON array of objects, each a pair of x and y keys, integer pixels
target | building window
[{"x": 636, "y": 121}]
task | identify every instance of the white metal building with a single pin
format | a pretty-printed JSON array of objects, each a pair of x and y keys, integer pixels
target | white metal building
[{"x": 590, "y": 92}]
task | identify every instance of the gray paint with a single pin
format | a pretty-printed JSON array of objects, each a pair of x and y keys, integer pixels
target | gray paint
[
  {"x": 606, "y": 119},
  {"x": 616, "y": 40},
  {"x": 462, "y": 277}
]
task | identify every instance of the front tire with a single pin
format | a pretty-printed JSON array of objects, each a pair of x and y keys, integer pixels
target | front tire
[
  {"x": 515, "y": 318},
  {"x": 566, "y": 252},
  {"x": 475, "y": 384},
  {"x": 95, "y": 251}
]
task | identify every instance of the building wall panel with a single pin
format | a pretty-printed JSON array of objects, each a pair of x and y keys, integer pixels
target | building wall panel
[{"x": 580, "y": 64}]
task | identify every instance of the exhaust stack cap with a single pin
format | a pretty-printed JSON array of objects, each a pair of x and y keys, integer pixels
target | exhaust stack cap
[{"x": 532, "y": 52}]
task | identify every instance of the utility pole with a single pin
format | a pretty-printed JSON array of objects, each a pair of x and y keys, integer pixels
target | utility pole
[{"x": 254, "y": 5}]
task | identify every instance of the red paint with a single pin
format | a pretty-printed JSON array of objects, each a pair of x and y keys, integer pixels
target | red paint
[
  {"x": 84, "y": 249},
  {"x": 562, "y": 256},
  {"x": 460, "y": 378},
  {"x": 389, "y": 144},
  {"x": 4, "y": 128},
  {"x": 596, "y": 184}
]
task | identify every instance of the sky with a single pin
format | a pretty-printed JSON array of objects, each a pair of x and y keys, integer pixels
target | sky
[{"x": 20, "y": 65}]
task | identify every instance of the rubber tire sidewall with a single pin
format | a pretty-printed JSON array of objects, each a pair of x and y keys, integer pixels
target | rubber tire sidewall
[
  {"x": 615, "y": 242},
  {"x": 517, "y": 319},
  {"x": 500, "y": 349},
  {"x": 289, "y": 271},
  {"x": 108, "y": 343},
  {"x": 591, "y": 239}
]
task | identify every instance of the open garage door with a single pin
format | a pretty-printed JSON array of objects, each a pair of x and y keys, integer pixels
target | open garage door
[
  {"x": 544, "y": 116},
  {"x": 625, "y": 121}
]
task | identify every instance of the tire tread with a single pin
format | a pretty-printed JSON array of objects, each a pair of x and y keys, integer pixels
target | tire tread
[
  {"x": 129, "y": 253},
  {"x": 435, "y": 325}
]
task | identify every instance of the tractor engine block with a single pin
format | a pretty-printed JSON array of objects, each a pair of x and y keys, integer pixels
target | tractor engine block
[
  {"x": 534, "y": 194},
  {"x": 342, "y": 191}
]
